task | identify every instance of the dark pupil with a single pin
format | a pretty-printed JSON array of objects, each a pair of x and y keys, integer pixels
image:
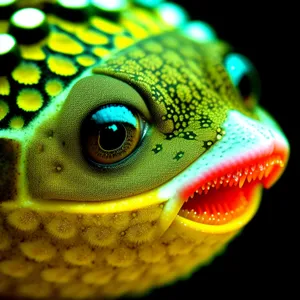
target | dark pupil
[
  {"x": 112, "y": 136},
  {"x": 245, "y": 86}
]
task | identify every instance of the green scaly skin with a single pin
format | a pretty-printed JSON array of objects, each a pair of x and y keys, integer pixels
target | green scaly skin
[{"x": 74, "y": 229}]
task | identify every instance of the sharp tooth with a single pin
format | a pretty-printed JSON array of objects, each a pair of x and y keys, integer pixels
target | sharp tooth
[
  {"x": 235, "y": 177},
  {"x": 197, "y": 191},
  {"x": 249, "y": 177},
  {"x": 242, "y": 180},
  {"x": 255, "y": 174},
  {"x": 261, "y": 167},
  {"x": 268, "y": 171},
  {"x": 261, "y": 175}
]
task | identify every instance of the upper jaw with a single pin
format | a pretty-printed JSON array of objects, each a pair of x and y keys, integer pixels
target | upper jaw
[{"x": 250, "y": 150}]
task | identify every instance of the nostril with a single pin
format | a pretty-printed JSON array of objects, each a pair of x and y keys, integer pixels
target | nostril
[{"x": 9, "y": 168}]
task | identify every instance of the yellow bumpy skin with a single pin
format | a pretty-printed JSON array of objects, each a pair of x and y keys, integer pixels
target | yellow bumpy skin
[{"x": 132, "y": 147}]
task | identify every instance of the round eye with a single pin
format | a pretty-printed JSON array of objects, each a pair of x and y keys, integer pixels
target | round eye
[
  {"x": 111, "y": 133},
  {"x": 245, "y": 77}
]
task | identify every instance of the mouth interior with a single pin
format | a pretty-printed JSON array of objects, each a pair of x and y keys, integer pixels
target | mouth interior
[
  {"x": 223, "y": 198},
  {"x": 218, "y": 206}
]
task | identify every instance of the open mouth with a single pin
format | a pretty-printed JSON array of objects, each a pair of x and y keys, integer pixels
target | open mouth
[{"x": 227, "y": 195}]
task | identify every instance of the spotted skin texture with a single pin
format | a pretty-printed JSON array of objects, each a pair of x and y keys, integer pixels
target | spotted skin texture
[
  {"x": 188, "y": 90},
  {"x": 73, "y": 230},
  {"x": 101, "y": 254},
  {"x": 65, "y": 54}
]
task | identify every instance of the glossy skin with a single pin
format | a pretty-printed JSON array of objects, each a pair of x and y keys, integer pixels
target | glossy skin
[{"x": 70, "y": 228}]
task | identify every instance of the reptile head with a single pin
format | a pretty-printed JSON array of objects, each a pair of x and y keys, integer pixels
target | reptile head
[{"x": 140, "y": 151}]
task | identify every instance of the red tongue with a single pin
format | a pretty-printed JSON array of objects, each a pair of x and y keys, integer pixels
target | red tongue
[{"x": 218, "y": 206}]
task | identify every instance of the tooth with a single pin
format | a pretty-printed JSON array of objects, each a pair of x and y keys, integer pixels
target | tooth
[
  {"x": 261, "y": 175},
  {"x": 242, "y": 180},
  {"x": 214, "y": 210},
  {"x": 246, "y": 171},
  {"x": 231, "y": 182},
  {"x": 268, "y": 171},
  {"x": 226, "y": 209},
  {"x": 197, "y": 191},
  {"x": 249, "y": 177},
  {"x": 255, "y": 174}
]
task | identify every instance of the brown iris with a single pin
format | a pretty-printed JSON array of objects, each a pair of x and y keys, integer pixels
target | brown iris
[{"x": 111, "y": 133}]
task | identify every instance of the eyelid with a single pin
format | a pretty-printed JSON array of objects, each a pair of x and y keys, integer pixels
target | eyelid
[
  {"x": 112, "y": 114},
  {"x": 91, "y": 92}
]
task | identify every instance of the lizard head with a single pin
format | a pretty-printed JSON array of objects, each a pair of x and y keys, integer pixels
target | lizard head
[
  {"x": 169, "y": 116},
  {"x": 132, "y": 148}
]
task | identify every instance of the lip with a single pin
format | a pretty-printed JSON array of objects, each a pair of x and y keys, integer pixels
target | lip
[{"x": 229, "y": 194}]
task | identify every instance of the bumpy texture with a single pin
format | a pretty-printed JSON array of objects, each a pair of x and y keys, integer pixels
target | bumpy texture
[
  {"x": 50, "y": 65},
  {"x": 73, "y": 229},
  {"x": 80, "y": 256}
]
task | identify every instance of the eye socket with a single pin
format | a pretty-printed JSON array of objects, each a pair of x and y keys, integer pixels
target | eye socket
[
  {"x": 245, "y": 77},
  {"x": 111, "y": 133}
]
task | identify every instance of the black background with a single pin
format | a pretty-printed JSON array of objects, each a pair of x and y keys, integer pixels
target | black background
[{"x": 265, "y": 33}]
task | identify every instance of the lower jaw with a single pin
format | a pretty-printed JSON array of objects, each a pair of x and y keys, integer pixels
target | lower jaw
[{"x": 215, "y": 219}]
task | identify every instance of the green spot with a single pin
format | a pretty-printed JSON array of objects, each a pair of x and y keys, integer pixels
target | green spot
[
  {"x": 207, "y": 144},
  {"x": 178, "y": 155},
  {"x": 188, "y": 135},
  {"x": 157, "y": 148}
]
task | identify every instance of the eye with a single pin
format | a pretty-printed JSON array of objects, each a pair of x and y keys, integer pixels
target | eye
[
  {"x": 111, "y": 134},
  {"x": 245, "y": 77}
]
